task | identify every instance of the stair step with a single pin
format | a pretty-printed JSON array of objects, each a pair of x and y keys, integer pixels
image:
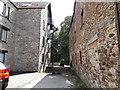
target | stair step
[{"x": 57, "y": 69}]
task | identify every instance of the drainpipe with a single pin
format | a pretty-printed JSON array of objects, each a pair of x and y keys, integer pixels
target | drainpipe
[
  {"x": 117, "y": 23},
  {"x": 118, "y": 34}
]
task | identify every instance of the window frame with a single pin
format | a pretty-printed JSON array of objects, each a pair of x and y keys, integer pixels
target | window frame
[
  {"x": 82, "y": 18},
  {"x": 3, "y": 35},
  {"x": 3, "y": 28},
  {"x": 43, "y": 58},
  {"x": 43, "y": 42},
  {"x": 80, "y": 53},
  {"x": 2, "y": 52},
  {"x": 44, "y": 25},
  {"x": 6, "y": 11}
]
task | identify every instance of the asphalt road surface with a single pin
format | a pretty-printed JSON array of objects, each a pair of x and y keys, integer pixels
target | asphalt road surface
[
  {"x": 65, "y": 80},
  {"x": 37, "y": 81},
  {"x": 26, "y": 80}
]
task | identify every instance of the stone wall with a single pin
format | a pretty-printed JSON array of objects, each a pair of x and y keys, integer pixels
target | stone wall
[
  {"x": 94, "y": 44},
  {"x": 9, "y": 45},
  {"x": 25, "y": 38},
  {"x": 27, "y": 35},
  {"x": 119, "y": 45}
]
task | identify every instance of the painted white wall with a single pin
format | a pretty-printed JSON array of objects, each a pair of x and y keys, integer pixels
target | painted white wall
[{"x": 43, "y": 33}]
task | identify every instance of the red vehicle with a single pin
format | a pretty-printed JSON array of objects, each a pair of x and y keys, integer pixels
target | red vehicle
[{"x": 4, "y": 76}]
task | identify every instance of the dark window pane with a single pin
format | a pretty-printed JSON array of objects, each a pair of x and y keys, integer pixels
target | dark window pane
[
  {"x": 4, "y": 9},
  {"x": 7, "y": 11},
  {"x": 42, "y": 57},
  {"x": 43, "y": 25},
  {"x": 4, "y": 35},
  {"x": 2, "y": 57},
  {"x": 80, "y": 57},
  {"x": 82, "y": 15},
  {"x": 43, "y": 41}
]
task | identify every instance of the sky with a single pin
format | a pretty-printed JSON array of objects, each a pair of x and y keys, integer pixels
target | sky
[{"x": 60, "y": 9}]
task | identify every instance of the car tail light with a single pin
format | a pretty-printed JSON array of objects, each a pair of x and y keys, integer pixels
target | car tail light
[{"x": 4, "y": 73}]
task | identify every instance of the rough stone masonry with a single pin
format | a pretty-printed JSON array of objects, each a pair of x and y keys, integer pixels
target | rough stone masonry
[
  {"x": 27, "y": 45},
  {"x": 93, "y": 38}
]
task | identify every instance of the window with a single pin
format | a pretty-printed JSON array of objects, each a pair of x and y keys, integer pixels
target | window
[
  {"x": 43, "y": 41},
  {"x": 80, "y": 57},
  {"x": 43, "y": 25},
  {"x": 4, "y": 10},
  {"x": 82, "y": 17},
  {"x": 76, "y": 58},
  {"x": 2, "y": 57},
  {"x": 3, "y": 36},
  {"x": 42, "y": 58},
  {"x": 3, "y": 33}
]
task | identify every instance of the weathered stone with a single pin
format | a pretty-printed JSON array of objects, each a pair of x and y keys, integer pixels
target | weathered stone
[
  {"x": 112, "y": 84},
  {"x": 98, "y": 42},
  {"x": 24, "y": 40},
  {"x": 102, "y": 68},
  {"x": 109, "y": 74},
  {"x": 104, "y": 79},
  {"x": 112, "y": 71},
  {"x": 111, "y": 35}
]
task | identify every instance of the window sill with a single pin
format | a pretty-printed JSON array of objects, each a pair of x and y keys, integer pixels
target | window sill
[
  {"x": 4, "y": 42},
  {"x": 4, "y": 16}
]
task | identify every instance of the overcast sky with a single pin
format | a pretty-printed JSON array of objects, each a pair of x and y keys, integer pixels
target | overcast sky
[{"x": 60, "y": 9}]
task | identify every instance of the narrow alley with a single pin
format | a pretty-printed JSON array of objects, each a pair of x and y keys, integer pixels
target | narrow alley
[
  {"x": 35, "y": 80},
  {"x": 59, "y": 44}
]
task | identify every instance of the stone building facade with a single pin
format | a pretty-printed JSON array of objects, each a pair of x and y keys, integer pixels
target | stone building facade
[
  {"x": 29, "y": 26},
  {"x": 94, "y": 43},
  {"x": 7, "y": 20}
]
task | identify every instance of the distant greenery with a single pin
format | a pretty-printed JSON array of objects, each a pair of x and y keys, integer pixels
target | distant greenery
[
  {"x": 64, "y": 40},
  {"x": 55, "y": 47},
  {"x": 61, "y": 42}
]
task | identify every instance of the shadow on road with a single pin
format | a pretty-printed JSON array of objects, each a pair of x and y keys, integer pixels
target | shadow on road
[{"x": 61, "y": 80}]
